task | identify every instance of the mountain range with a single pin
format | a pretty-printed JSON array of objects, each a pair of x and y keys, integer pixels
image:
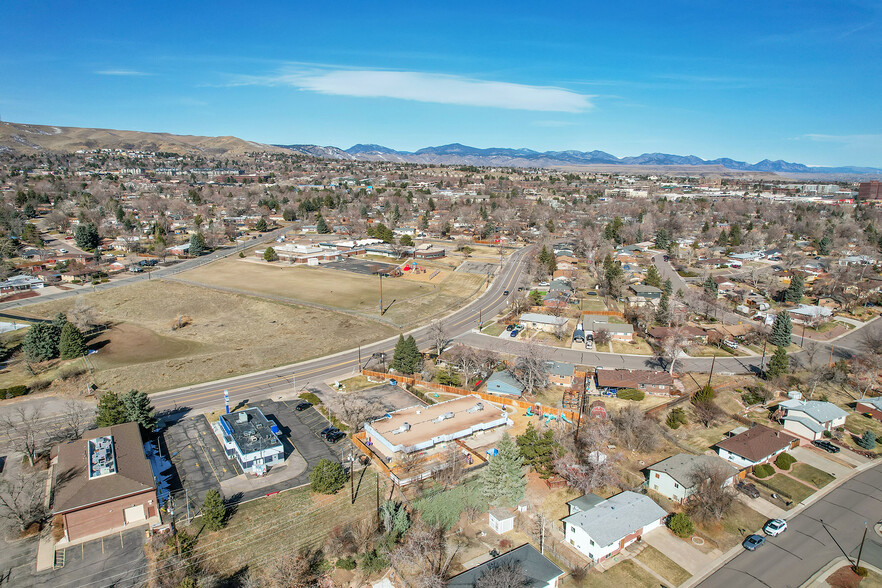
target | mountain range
[{"x": 458, "y": 154}]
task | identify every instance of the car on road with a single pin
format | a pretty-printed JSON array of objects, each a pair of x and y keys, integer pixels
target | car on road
[
  {"x": 753, "y": 542},
  {"x": 301, "y": 406},
  {"x": 327, "y": 431},
  {"x": 747, "y": 489},
  {"x": 826, "y": 446},
  {"x": 515, "y": 333},
  {"x": 667, "y": 258},
  {"x": 775, "y": 527},
  {"x": 335, "y": 436},
  {"x": 505, "y": 293}
]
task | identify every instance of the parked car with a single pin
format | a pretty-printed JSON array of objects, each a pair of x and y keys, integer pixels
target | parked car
[
  {"x": 509, "y": 327},
  {"x": 515, "y": 333},
  {"x": 826, "y": 446},
  {"x": 324, "y": 433},
  {"x": 748, "y": 489},
  {"x": 589, "y": 343},
  {"x": 62, "y": 251},
  {"x": 730, "y": 344},
  {"x": 753, "y": 542},
  {"x": 544, "y": 284},
  {"x": 303, "y": 405},
  {"x": 775, "y": 527},
  {"x": 520, "y": 288},
  {"x": 335, "y": 436}
]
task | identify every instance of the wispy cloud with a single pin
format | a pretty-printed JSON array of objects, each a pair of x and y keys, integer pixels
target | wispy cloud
[
  {"x": 121, "y": 72},
  {"x": 553, "y": 123},
  {"x": 845, "y": 139},
  {"x": 427, "y": 87}
]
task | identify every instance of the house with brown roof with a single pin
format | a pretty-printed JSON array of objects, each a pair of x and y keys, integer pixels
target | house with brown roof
[
  {"x": 104, "y": 483},
  {"x": 758, "y": 444},
  {"x": 651, "y": 382}
]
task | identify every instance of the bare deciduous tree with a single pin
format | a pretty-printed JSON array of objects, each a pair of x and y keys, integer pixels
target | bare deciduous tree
[
  {"x": 673, "y": 346},
  {"x": 77, "y": 420},
  {"x": 24, "y": 431},
  {"x": 508, "y": 574},
  {"x": 22, "y": 498},
  {"x": 706, "y": 413},
  {"x": 439, "y": 335},
  {"x": 424, "y": 551},
  {"x": 711, "y": 498},
  {"x": 635, "y": 429},
  {"x": 531, "y": 369}
]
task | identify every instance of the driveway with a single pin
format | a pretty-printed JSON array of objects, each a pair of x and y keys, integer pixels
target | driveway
[
  {"x": 818, "y": 460},
  {"x": 687, "y": 557}
]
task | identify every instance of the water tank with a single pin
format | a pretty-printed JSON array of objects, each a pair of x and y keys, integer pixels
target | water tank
[{"x": 794, "y": 395}]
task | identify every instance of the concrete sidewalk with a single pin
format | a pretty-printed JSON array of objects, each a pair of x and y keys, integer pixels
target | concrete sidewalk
[{"x": 763, "y": 506}]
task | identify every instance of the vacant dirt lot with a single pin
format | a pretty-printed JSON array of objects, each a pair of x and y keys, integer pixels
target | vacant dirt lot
[
  {"x": 228, "y": 334},
  {"x": 413, "y": 300}
]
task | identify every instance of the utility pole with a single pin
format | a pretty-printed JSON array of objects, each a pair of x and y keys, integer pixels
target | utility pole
[
  {"x": 861, "y": 550},
  {"x": 351, "y": 479},
  {"x": 187, "y": 495},
  {"x": 711, "y": 374},
  {"x": 763, "y": 360}
]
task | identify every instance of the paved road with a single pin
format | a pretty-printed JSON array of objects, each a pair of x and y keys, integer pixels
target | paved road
[
  {"x": 274, "y": 382},
  {"x": 808, "y": 544},
  {"x": 156, "y": 273}
]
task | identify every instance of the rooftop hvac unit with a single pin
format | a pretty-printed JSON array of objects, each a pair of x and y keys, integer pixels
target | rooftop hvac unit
[
  {"x": 402, "y": 429},
  {"x": 443, "y": 417},
  {"x": 243, "y": 417},
  {"x": 477, "y": 407}
]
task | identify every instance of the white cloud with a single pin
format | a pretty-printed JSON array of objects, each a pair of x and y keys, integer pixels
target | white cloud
[
  {"x": 121, "y": 72},
  {"x": 841, "y": 138},
  {"x": 428, "y": 87}
]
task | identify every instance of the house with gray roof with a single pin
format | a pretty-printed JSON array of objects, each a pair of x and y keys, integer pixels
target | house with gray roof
[
  {"x": 810, "y": 418},
  {"x": 560, "y": 374},
  {"x": 609, "y": 526},
  {"x": 617, "y": 331},
  {"x": 539, "y": 571},
  {"x": 542, "y": 322},
  {"x": 504, "y": 382},
  {"x": 674, "y": 477}
]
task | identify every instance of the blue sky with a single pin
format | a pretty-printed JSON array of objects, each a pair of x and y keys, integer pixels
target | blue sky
[{"x": 800, "y": 80}]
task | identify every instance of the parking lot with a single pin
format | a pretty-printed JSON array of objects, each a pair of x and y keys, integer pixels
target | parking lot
[
  {"x": 302, "y": 429},
  {"x": 362, "y": 266},
  {"x": 117, "y": 560},
  {"x": 477, "y": 267}
]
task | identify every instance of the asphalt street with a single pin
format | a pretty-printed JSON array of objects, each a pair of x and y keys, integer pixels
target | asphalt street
[{"x": 830, "y": 528}]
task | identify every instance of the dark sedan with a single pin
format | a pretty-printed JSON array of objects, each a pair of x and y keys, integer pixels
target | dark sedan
[
  {"x": 753, "y": 542},
  {"x": 301, "y": 406}
]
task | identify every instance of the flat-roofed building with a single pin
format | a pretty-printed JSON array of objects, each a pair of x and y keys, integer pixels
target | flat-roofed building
[
  {"x": 104, "y": 483},
  {"x": 250, "y": 438},
  {"x": 420, "y": 428}
]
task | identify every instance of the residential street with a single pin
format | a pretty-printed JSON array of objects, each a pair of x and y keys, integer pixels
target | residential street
[{"x": 829, "y": 528}]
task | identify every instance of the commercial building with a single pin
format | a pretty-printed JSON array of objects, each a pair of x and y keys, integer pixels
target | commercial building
[
  {"x": 251, "y": 439},
  {"x": 104, "y": 483},
  {"x": 420, "y": 428},
  {"x": 870, "y": 191}
]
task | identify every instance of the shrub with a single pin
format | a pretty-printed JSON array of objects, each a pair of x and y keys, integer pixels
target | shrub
[
  {"x": 828, "y": 434},
  {"x": 13, "y": 391},
  {"x": 311, "y": 398},
  {"x": 784, "y": 461},
  {"x": 705, "y": 395},
  {"x": 346, "y": 563},
  {"x": 763, "y": 470},
  {"x": 327, "y": 477},
  {"x": 373, "y": 561},
  {"x": 681, "y": 525},
  {"x": 676, "y": 417},
  {"x": 630, "y": 394},
  {"x": 867, "y": 440},
  {"x": 861, "y": 571}
]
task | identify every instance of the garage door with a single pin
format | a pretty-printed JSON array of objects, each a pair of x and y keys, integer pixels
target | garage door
[{"x": 135, "y": 514}]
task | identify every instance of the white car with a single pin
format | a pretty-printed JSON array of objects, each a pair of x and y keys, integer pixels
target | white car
[
  {"x": 62, "y": 251},
  {"x": 775, "y": 527}
]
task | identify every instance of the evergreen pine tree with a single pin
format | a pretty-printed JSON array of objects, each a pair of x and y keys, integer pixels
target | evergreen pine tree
[
  {"x": 269, "y": 254},
  {"x": 40, "y": 342},
  {"x": 321, "y": 226},
  {"x": 110, "y": 410},
  {"x": 214, "y": 512},
  {"x": 668, "y": 287},
  {"x": 414, "y": 361},
  {"x": 782, "y": 330},
  {"x": 710, "y": 287},
  {"x": 138, "y": 409},
  {"x": 663, "y": 312},
  {"x": 538, "y": 450},
  {"x": 260, "y": 225},
  {"x": 779, "y": 364},
  {"x": 197, "y": 244},
  {"x": 399, "y": 356},
  {"x": 71, "y": 343},
  {"x": 502, "y": 480},
  {"x": 652, "y": 277},
  {"x": 794, "y": 292}
]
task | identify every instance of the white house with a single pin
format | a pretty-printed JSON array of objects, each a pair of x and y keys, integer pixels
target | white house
[
  {"x": 754, "y": 446},
  {"x": 674, "y": 477},
  {"x": 607, "y": 527},
  {"x": 810, "y": 418},
  {"x": 501, "y": 520}
]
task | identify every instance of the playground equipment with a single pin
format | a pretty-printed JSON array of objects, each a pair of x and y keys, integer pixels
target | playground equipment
[
  {"x": 529, "y": 412},
  {"x": 564, "y": 418},
  {"x": 550, "y": 417}
]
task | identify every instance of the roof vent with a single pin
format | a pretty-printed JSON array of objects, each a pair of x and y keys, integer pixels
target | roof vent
[
  {"x": 243, "y": 417},
  {"x": 477, "y": 407},
  {"x": 405, "y": 427},
  {"x": 443, "y": 417}
]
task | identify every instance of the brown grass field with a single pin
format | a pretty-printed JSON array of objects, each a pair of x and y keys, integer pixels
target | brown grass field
[
  {"x": 414, "y": 300},
  {"x": 229, "y": 334}
]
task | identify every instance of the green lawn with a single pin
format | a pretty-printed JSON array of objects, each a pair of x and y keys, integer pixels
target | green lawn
[
  {"x": 663, "y": 565},
  {"x": 812, "y": 475},
  {"x": 857, "y": 423},
  {"x": 788, "y": 486}
]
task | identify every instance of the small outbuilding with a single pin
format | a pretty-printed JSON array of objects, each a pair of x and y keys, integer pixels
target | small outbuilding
[{"x": 501, "y": 520}]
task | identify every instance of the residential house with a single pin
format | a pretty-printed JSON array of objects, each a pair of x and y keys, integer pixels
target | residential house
[
  {"x": 651, "y": 382},
  {"x": 807, "y": 313},
  {"x": 870, "y": 406},
  {"x": 758, "y": 444},
  {"x": 617, "y": 331},
  {"x": 674, "y": 477},
  {"x": 542, "y": 322},
  {"x": 539, "y": 571},
  {"x": 560, "y": 374},
  {"x": 504, "y": 382},
  {"x": 104, "y": 483},
  {"x": 646, "y": 292},
  {"x": 810, "y": 418},
  {"x": 20, "y": 284},
  {"x": 603, "y": 529}
]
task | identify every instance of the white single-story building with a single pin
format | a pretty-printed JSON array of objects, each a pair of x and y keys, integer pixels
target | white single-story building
[
  {"x": 501, "y": 520},
  {"x": 810, "y": 418}
]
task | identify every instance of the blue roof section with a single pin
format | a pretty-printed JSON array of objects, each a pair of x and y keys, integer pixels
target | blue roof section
[{"x": 505, "y": 383}]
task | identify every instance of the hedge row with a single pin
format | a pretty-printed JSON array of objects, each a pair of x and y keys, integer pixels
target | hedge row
[
  {"x": 763, "y": 470},
  {"x": 13, "y": 391}
]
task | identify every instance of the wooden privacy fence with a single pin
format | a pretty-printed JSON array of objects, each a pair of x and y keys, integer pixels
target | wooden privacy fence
[
  {"x": 603, "y": 313},
  {"x": 497, "y": 398}
]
